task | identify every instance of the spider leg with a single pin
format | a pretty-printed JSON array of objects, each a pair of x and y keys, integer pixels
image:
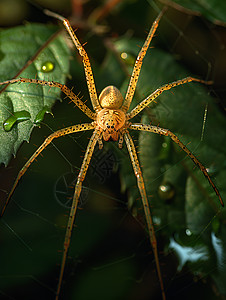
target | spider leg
[
  {"x": 159, "y": 91},
  {"x": 140, "y": 183},
  {"x": 81, "y": 105},
  {"x": 85, "y": 164},
  {"x": 138, "y": 64},
  {"x": 167, "y": 132},
  {"x": 85, "y": 59},
  {"x": 48, "y": 140}
]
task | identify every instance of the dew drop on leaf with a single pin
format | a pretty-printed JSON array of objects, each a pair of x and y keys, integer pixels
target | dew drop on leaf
[
  {"x": 166, "y": 191},
  {"x": 128, "y": 58},
  {"x": 47, "y": 67},
  {"x": 188, "y": 232}
]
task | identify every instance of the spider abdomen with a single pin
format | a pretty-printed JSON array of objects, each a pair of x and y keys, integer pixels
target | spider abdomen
[
  {"x": 111, "y": 121},
  {"x": 111, "y": 98}
]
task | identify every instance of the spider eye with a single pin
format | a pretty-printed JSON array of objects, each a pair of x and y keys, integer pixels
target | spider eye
[
  {"x": 112, "y": 126},
  {"x": 108, "y": 126}
]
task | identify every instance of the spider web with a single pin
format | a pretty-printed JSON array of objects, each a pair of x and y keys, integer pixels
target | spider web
[{"x": 109, "y": 245}]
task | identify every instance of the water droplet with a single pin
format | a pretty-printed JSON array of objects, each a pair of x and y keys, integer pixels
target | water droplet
[
  {"x": 188, "y": 232},
  {"x": 157, "y": 220},
  {"x": 124, "y": 55},
  {"x": 164, "y": 145},
  {"x": 47, "y": 67},
  {"x": 17, "y": 117},
  {"x": 166, "y": 191},
  {"x": 128, "y": 58},
  {"x": 211, "y": 170}
]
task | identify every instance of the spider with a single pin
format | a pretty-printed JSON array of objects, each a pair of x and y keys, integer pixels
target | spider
[{"x": 110, "y": 122}]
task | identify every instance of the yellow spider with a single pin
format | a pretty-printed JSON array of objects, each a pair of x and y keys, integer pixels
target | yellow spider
[{"x": 111, "y": 121}]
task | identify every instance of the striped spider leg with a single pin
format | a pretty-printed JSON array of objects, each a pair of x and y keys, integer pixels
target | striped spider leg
[{"x": 110, "y": 121}]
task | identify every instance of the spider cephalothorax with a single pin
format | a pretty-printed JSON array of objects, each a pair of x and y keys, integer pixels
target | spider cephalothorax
[{"x": 110, "y": 121}]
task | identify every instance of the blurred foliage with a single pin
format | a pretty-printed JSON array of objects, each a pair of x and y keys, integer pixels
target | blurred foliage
[
  {"x": 110, "y": 255},
  {"x": 212, "y": 10}
]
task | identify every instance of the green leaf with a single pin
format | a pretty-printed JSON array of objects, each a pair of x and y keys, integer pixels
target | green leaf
[
  {"x": 17, "y": 47},
  {"x": 213, "y": 10}
]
